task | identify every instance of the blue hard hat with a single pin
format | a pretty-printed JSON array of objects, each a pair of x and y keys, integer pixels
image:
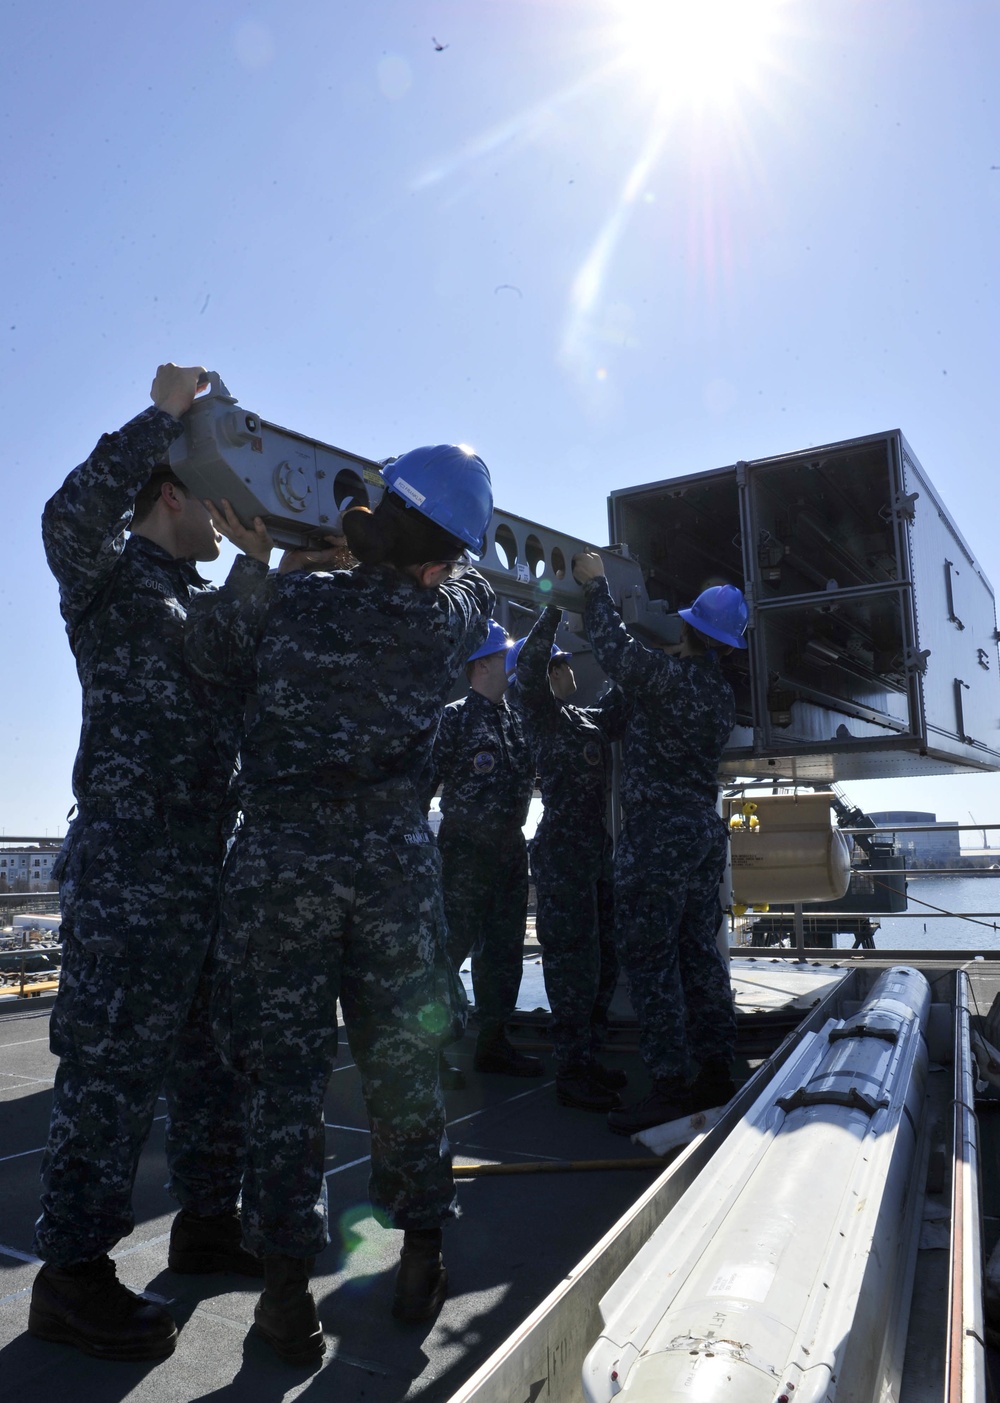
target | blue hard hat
[
  {"x": 497, "y": 641},
  {"x": 515, "y": 653},
  {"x": 720, "y": 613},
  {"x": 450, "y": 485}
]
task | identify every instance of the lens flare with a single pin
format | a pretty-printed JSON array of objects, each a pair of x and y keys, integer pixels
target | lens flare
[{"x": 698, "y": 50}]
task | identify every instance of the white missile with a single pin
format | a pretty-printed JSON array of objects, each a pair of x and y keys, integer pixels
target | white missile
[{"x": 783, "y": 1273}]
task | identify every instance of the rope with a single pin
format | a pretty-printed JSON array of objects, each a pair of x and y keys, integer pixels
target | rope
[{"x": 943, "y": 910}]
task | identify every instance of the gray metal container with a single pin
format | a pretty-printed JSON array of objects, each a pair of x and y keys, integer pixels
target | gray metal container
[{"x": 873, "y": 643}]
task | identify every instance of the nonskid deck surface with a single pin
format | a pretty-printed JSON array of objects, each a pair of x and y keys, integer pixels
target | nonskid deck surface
[{"x": 516, "y": 1238}]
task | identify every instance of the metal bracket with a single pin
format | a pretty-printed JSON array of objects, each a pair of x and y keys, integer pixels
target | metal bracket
[
  {"x": 852, "y": 1098},
  {"x": 950, "y": 575},
  {"x": 903, "y": 505},
  {"x": 961, "y": 686},
  {"x": 217, "y": 389},
  {"x": 864, "y": 1030},
  {"x": 291, "y": 483},
  {"x": 915, "y": 659}
]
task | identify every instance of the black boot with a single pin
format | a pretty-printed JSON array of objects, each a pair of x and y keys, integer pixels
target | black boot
[
  {"x": 199, "y": 1246},
  {"x": 87, "y": 1306},
  {"x": 580, "y": 1088},
  {"x": 451, "y": 1078},
  {"x": 611, "y": 1077},
  {"x": 421, "y": 1280},
  {"x": 665, "y": 1102},
  {"x": 713, "y": 1086},
  {"x": 495, "y": 1054},
  {"x": 286, "y": 1312}
]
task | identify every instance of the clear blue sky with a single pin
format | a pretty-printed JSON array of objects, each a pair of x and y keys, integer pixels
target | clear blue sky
[{"x": 579, "y": 236}]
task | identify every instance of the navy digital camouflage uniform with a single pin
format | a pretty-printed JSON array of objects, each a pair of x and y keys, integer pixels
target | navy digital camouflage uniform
[
  {"x": 332, "y": 887},
  {"x": 671, "y": 851},
  {"x": 139, "y": 870},
  {"x": 484, "y": 765},
  {"x": 571, "y": 852}
]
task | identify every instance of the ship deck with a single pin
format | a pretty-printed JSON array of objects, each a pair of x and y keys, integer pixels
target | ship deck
[{"x": 518, "y": 1236}]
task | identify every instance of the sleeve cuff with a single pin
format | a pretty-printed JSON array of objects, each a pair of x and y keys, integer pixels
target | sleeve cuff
[{"x": 247, "y": 574}]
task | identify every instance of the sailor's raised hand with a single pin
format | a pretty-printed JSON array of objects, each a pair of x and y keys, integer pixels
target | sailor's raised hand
[
  {"x": 587, "y": 565},
  {"x": 174, "y": 387},
  {"x": 253, "y": 540},
  {"x": 336, "y": 555}
]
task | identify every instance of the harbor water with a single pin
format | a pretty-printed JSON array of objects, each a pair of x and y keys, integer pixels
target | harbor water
[{"x": 924, "y": 927}]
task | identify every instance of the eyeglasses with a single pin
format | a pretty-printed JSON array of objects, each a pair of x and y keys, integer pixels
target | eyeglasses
[{"x": 456, "y": 568}]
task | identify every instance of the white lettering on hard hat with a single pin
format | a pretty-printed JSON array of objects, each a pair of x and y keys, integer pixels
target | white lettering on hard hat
[{"x": 417, "y": 498}]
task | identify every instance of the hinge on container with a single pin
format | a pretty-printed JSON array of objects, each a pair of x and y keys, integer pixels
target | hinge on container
[
  {"x": 903, "y": 504},
  {"x": 915, "y": 659},
  {"x": 983, "y": 658}
]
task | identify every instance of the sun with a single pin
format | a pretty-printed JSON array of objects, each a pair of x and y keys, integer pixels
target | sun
[{"x": 698, "y": 51}]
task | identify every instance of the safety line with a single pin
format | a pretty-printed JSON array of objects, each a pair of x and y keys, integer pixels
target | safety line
[
  {"x": 21, "y": 1154},
  {"x": 533, "y": 1091},
  {"x": 462, "y": 1146},
  {"x": 942, "y": 910},
  {"x": 366, "y": 1158},
  {"x": 6, "y": 1251},
  {"x": 341, "y": 1167}
]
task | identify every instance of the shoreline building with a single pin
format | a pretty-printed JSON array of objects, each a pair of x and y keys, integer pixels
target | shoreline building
[
  {"x": 28, "y": 866},
  {"x": 941, "y": 848}
]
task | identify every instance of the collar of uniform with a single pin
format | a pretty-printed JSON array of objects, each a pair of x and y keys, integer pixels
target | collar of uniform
[
  {"x": 386, "y": 572},
  {"x": 153, "y": 551},
  {"x": 477, "y": 699}
]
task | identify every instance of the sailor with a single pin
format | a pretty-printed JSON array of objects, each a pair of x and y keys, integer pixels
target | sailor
[
  {"x": 332, "y": 889},
  {"x": 138, "y": 875},
  {"x": 571, "y": 855},
  {"x": 484, "y": 765},
  {"x": 671, "y": 852}
]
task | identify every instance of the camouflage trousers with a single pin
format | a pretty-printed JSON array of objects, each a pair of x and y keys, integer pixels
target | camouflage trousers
[
  {"x": 667, "y": 916},
  {"x": 336, "y": 902},
  {"x": 139, "y": 906},
  {"x": 486, "y": 906},
  {"x": 574, "y": 922}
]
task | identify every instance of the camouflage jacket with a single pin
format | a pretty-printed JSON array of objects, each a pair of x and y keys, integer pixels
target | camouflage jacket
[
  {"x": 484, "y": 764},
  {"x": 154, "y": 736},
  {"x": 571, "y": 744},
  {"x": 350, "y": 671},
  {"x": 682, "y": 713}
]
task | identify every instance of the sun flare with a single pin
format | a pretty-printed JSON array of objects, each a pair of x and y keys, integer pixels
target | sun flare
[{"x": 703, "y": 51}]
